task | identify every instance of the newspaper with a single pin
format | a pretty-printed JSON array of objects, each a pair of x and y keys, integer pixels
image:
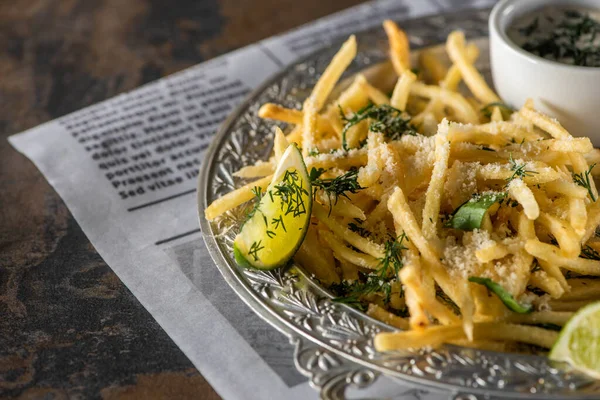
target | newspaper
[{"x": 127, "y": 168}]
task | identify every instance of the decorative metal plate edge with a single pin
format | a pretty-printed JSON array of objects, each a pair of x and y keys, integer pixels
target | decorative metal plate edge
[{"x": 334, "y": 342}]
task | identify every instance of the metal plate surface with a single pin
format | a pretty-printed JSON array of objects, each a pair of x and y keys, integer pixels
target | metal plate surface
[{"x": 334, "y": 343}]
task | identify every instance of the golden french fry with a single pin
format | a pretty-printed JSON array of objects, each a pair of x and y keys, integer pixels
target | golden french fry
[
  {"x": 455, "y": 45},
  {"x": 387, "y": 317},
  {"x": 433, "y": 196},
  {"x": 402, "y": 90},
  {"x": 399, "y": 47},
  {"x": 453, "y": 78},
  {"x": 464, "y": 111},
  {"x": 436, "y": 335},
  {"x": 551, "y": 254},
  {"x": 316, "y": 259},
  {"x": 233, "y": 199}
]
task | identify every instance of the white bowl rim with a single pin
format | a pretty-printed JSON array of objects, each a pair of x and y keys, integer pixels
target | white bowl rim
[{"x": 495, "y": 28}]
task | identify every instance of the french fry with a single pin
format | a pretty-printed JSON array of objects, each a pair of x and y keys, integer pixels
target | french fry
[
  {"x": 433, "y": 197},
  {"x": 551, "y": 254},
  {"x": 279, "y": 113},
  {"x": 387, "y": 317},
  {"x": 342, "y": 252},
  {"x": 541, "y": 317},
  {"x": 342, "y": 231},
  {"x": 453, "y": 100},
  {"x": 402, "y": 90},
  {"x": 375, "y": 95},
  {"x": 258, "y": 170},
  {"x": 317, "y": 260},
  {"x": 455, "y": 45},
  {"x": 568, "y": 240},
  {"x": 520, "y": 192},
  {"x": 399, "y": 47},
  {"x": 332, "y": 73},
  {"x": 454, "y": 77},
  {"x": 548, "y": 284},
  {"x": 582, "y": 289},
  {"x": 233, "y": 199},
  {"x": 436, "y": 335}
]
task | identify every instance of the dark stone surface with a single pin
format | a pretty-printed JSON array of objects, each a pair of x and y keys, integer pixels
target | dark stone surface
[{"x": 68, "y": 326}]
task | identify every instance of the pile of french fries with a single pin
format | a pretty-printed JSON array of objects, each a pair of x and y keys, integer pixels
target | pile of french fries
[{"x": 531, "y": 243}]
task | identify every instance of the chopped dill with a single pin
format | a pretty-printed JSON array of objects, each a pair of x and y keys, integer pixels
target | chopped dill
[
  {"x": 256, "y": 190},
  {"x": 589, "y": 253},
  {"x": 583, "y": 180},
  {"x": 290, "y": 191},
  {"x": 519, "y": 170},
  {"x": 384, "y": 119},
  {"x": 392, "y": 259},
  {"x": 356, "y": 227},
  {"x": 378, "y": 281},
  {"x": 335, "y": 187},
  {"x": 255, "y": 248}
]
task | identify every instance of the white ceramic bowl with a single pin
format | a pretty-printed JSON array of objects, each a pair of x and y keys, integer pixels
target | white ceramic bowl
[{"x": 569, "y": 93}]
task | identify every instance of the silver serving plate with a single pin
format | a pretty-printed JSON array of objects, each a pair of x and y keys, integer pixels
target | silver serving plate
[{"x": 334, "y": 343}]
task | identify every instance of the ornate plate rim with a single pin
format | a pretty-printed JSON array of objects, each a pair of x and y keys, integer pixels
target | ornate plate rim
[{"x": 234, "y": 277}]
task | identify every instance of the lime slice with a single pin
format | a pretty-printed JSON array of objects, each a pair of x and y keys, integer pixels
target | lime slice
[
  {"x": 276, "y": 229},
  {"x": 579, "y": 341}
]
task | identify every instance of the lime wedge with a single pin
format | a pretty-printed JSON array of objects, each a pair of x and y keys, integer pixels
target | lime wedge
[
  {"x": 278, "y": 224},
  {"x": 579, "y": 341}
]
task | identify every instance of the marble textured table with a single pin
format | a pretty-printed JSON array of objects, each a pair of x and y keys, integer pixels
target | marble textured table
[{"x": 68, "y": 326}]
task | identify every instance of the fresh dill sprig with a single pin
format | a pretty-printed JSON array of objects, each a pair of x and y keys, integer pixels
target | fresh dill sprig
[
  {"x": 379, "y": 281},
  {"x": 589, "y": 253},
  {"x": 519, "y": 170},
  {"x": 255, "y": 248},
  {"x": 583, "y": 180},
  {"x": 384, "y": 119},
  {"x": 351, "y": 293},
  {"x": 505, "y": 109},
  {"x": 256, "y": 190},
  {"x": 335, "y": 187},
  {"x": 356, "y": 227},
  {"x": 392, "y": 259},
  {"x": 290, "y": 191}
]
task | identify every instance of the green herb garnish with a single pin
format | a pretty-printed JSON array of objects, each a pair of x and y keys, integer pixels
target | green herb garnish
[
  {"x": 375, "y": 282},
  {"x": 335, "y": 187},
  {"x": 290, "y": 191},
  {"x": 470, "y": 214},
  {"x": 588, "y": 252},
  {"x": 255, "y": 248},
  {"x": 392, "y": 259},
  {"x": 356, "y": 227},
  {"x": 384, "y": 119},
  {"x": 519, "y": 170},
  {"x": 583, "y": 180},
  {"x": 352, "y": 293},
  {"x": 508, "y": 300}
]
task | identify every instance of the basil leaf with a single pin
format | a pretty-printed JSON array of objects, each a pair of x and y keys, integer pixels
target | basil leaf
[
  {"x": 470, "y": 214},
  {"x": 506, "y": 297}
]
